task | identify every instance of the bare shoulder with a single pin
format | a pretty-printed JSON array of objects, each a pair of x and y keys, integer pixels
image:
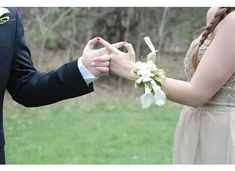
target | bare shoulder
[
  {"x": 228, "y": 21},
  {"x": 226, "y": 26},
  {"x": 225, "y": 36}
]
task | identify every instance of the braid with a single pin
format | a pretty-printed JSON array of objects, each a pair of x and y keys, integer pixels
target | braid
[{"x": 219, "y": 15}]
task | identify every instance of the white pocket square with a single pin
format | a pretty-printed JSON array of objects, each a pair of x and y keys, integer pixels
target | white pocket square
[{"x": 4, "y": 11}]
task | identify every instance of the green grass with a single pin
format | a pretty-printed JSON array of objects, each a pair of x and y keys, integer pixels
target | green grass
[{"x": 90, "y": 130}]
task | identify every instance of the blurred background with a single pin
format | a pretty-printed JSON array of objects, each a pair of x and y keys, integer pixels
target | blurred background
[{"x": 107, "y": 126}]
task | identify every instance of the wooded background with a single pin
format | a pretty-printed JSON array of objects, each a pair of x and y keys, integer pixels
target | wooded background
[{"x": 58, "y": 35}]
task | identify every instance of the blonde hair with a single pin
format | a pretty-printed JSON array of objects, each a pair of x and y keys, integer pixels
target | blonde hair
[{"x": 219, "y": 15}]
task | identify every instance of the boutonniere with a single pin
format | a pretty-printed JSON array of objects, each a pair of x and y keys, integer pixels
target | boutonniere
[{"x": 3, "y": 17}]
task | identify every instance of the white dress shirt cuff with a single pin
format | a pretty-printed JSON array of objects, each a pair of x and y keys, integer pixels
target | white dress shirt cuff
[{"x": 87, "y": 76}]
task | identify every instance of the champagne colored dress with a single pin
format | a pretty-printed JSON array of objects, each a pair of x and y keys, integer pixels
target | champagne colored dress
[{"x": 206, "y": 135}]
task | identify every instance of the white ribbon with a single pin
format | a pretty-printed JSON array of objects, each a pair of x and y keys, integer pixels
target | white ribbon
[{"x": 152, "y": 55}]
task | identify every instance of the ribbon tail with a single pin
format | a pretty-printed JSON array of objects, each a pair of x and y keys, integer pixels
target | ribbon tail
[
  {"x": 149, "y": 43},
  {"x": 152, "y": 55}
]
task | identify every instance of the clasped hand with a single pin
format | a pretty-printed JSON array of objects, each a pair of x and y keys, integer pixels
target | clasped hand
[{"x": 109, "y": 58}]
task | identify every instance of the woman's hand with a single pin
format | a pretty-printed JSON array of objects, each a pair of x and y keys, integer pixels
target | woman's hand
[
  {"x": 101, "y": 67},
  {"x": 121, "y": 63}
]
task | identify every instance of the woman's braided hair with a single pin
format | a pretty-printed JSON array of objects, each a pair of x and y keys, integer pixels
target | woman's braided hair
[{"x": 219, "y": 15}]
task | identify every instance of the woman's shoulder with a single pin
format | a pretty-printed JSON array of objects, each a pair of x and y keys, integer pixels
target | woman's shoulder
[
  {"x": 227, "y": 25},
  {"x": 228, "y": 21}
]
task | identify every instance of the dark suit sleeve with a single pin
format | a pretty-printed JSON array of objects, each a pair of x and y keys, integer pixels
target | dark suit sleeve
[{"x": 31, "y": 88}]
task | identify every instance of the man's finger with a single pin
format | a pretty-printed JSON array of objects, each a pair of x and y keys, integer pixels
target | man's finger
[
  {"x": 91, "y": 44},
  {"x": 100, "y": 64},
  {"x": 103, "y": 58},
  {"x": 103, "y": 69}
]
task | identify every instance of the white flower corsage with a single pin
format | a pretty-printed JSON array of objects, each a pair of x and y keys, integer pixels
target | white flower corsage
[
  {"x": 4, "y": 18},
  {"x": 149, "y": 77}
]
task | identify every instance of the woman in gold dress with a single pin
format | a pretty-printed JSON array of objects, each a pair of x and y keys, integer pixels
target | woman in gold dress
[{"x": 205, "y": 132}]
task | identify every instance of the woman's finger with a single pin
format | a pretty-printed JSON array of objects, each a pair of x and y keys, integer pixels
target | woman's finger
[
  {"x": 130, "y": 49},
  {"x": 91, "y": 43},
  {"x": 108, "y": 45},
  {"x": 118, "y": 45},
  {"x": 105, "y": 50}
]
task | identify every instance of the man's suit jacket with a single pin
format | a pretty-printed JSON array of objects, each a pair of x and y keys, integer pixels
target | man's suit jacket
[{"x": 26, "y": 85}]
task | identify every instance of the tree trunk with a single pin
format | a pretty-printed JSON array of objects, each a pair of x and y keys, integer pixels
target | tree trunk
[{"x": 161, "y": 28}]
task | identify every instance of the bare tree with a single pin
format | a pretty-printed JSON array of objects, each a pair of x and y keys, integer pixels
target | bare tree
[
  {"x": 45, "y": 28},
  {"x": 161, "y": 27}
]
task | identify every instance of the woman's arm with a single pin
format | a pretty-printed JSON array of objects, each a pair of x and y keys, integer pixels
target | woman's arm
[{"x": 214, "y": 70}]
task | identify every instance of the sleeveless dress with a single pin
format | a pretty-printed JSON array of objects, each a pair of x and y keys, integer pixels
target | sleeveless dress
[{"x": 206, "y": 134}]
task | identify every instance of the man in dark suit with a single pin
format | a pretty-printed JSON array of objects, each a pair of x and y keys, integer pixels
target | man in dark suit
[{"x": 31, "y": 88}]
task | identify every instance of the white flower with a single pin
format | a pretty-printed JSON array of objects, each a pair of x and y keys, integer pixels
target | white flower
[
  {"x": 160, "y": 98},
  {"x": 138, "y": 65},
  {"x": 3, "y": 11},
  {"x": 144, "y": 72},
  {"x": 147, "y": 98}
]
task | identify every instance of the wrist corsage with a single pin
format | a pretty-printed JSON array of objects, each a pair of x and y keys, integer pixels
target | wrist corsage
[{"x": 150, "y": 78}]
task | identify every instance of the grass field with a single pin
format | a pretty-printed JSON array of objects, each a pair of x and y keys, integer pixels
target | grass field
[{"x": 92, "y": 129}]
